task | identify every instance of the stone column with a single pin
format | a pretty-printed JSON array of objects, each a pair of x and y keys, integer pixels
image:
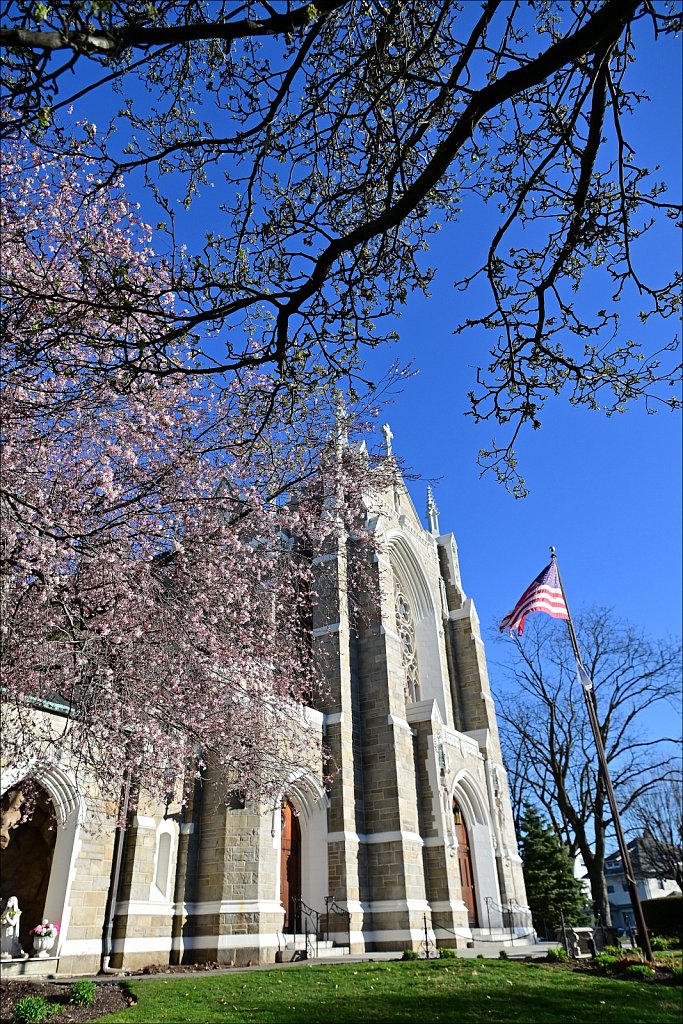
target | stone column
[
  {"x": 397, "y": 898},
  {"x": 333, "y": 651},
  {"x": 237, "y": 917}
]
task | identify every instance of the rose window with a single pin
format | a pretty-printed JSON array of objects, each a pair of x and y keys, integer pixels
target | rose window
[{"x": 406, "y": 633}]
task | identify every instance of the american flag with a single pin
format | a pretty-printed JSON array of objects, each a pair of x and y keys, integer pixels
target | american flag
[{"x": 544, "y": 595}]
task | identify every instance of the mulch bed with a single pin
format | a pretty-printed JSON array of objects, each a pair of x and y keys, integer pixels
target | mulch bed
[
  {"x": 617, "y": 971},
  {"x": 109, "y": 998}
]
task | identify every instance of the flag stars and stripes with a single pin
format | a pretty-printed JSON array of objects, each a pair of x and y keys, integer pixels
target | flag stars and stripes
[{"x": 543, "y": 595}]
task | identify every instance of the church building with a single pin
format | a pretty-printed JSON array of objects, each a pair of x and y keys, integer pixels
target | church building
[{"x": 411, "y": 845}]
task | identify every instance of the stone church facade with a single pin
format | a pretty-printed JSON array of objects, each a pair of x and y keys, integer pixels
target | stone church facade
[{"x": 411, "y": 845}]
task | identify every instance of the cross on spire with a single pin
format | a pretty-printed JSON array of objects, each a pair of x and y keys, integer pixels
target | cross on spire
[{"x": 388, "y": 437}]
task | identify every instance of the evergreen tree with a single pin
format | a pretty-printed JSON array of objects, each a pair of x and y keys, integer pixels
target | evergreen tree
[{"x": 548, "y": 873}]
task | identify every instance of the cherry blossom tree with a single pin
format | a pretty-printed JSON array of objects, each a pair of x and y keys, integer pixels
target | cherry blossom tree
[{"x": 158, "y": 530}]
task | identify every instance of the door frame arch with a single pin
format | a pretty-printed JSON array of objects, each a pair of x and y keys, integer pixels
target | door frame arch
[
  {"x": 466, "y": 793},
  {"x": 308, "y": 797}
]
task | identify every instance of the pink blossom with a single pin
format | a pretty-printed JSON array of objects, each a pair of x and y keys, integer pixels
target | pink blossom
[{"x": 158, "y": 536}]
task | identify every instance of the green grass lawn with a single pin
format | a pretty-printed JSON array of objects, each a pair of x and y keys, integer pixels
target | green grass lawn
[{"x": 462, "y": 991}]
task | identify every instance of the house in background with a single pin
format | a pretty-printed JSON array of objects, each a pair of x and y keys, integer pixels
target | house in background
[{"x": 650, "y": 886}]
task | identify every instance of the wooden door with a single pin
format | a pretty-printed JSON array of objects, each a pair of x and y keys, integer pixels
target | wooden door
[
  {"x": 465, "y": 866},
  {"x": 290, "y": 868}
]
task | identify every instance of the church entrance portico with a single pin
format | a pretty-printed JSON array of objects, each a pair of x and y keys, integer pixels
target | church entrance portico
[
  {"x": 475, "y": 854},
  {"x": 302, "y": 860}
]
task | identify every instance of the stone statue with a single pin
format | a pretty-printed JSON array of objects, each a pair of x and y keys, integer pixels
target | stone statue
[
  {"x": 10, "y": 947},
  {"x": 10, "y": 817}
]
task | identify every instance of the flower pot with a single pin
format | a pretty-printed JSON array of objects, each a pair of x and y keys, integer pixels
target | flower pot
[{"x": 42, "y": 944}]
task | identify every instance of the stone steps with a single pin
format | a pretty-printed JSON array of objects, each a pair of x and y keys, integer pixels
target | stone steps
[
  {"x": 295, "y": 948},
  {"x": 492, "y": 935}
]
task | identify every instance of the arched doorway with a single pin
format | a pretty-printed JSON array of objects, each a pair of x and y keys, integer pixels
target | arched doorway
[
  {"x": 26, "y": 854},
  {"x": 290, "y": 868},
  {"x": 465, "y": 865}
]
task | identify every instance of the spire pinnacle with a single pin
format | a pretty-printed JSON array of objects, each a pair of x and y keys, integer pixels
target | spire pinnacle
[
  {"x": 432, "y": 513},
  {"x": 341, "y": 417}
]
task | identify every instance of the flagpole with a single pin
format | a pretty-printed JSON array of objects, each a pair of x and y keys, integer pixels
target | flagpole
[{"x": 589, "y": 696}]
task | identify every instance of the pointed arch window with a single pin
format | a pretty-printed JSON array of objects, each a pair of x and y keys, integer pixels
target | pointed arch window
[{"x": 405, "y": 626}]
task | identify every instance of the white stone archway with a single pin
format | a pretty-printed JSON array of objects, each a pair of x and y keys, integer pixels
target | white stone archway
[
  {"x": 69, "y": 805},
  {"x": 311, "y": 802},
  {"x": 467, "y": 793}
]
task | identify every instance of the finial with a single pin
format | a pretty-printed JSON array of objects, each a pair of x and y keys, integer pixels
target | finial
[
  {"x": 432, "y": 513},
  {"x": 552, "y": 551},
  {"x": 388, "y": 437}
]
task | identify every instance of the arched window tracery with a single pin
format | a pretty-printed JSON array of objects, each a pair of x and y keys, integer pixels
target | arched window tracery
[{"x": 405, "y": 625}]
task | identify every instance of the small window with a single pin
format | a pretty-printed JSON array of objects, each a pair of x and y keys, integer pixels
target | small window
[{"x": 163, "y": 863}]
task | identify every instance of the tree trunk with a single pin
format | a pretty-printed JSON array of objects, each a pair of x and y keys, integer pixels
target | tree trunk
[{"x": 601, "y": 907}]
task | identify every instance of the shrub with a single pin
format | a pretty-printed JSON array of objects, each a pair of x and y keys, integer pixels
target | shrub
[
  {"x": 556, "y": 955},
  {"x": 503, "y": 955},
  {"x": 82, "y": 993},
  {"x": 663, "y": 915},
  {"x": 640, "y": 971},
  {"x": 446, "y": 953},
  {"x": 31, "y": 1010},
  {"x": 606, "y": 960},
  {"x": 677, "y": 974},
  {"x": 660, "y": 942},
  {"x": 410, "y": 954},
  {"x": 615, "y": 951}
]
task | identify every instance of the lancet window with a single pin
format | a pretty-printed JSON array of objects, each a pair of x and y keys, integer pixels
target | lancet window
[{"x": 406, "y": 631}]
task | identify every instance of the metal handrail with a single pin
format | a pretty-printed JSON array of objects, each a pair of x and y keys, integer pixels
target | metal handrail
[
  {"x": 332, "y": 907},
  {"x": 309, "y": 914}
]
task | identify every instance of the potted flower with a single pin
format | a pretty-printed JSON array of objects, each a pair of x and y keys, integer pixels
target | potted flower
[{"x": 44, "y": 935}]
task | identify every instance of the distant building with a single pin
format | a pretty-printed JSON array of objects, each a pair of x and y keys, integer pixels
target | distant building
[{"x": 650, "y": 886}]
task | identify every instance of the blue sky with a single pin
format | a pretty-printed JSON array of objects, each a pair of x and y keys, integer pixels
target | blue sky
[{"x": 605, "y": 492}]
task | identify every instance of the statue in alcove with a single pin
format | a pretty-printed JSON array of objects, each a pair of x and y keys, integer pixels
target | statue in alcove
[
  {"x": 26, "y": 849},
  {"x": 10, "y": 919}
]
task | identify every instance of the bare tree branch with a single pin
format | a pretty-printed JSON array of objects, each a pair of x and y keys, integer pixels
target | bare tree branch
[{"x": 546, "y": 738}]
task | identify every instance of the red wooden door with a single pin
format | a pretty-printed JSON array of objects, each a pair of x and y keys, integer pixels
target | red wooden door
[
  {"x": 465, "y": 866},
  {"x": 290, "y": 868}
]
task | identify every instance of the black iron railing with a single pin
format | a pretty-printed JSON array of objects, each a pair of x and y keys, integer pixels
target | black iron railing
[
  {"x": 336, "y": 921},
  {"x": 513, "y": 916},
  {"x": 309, "y": 924}
]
